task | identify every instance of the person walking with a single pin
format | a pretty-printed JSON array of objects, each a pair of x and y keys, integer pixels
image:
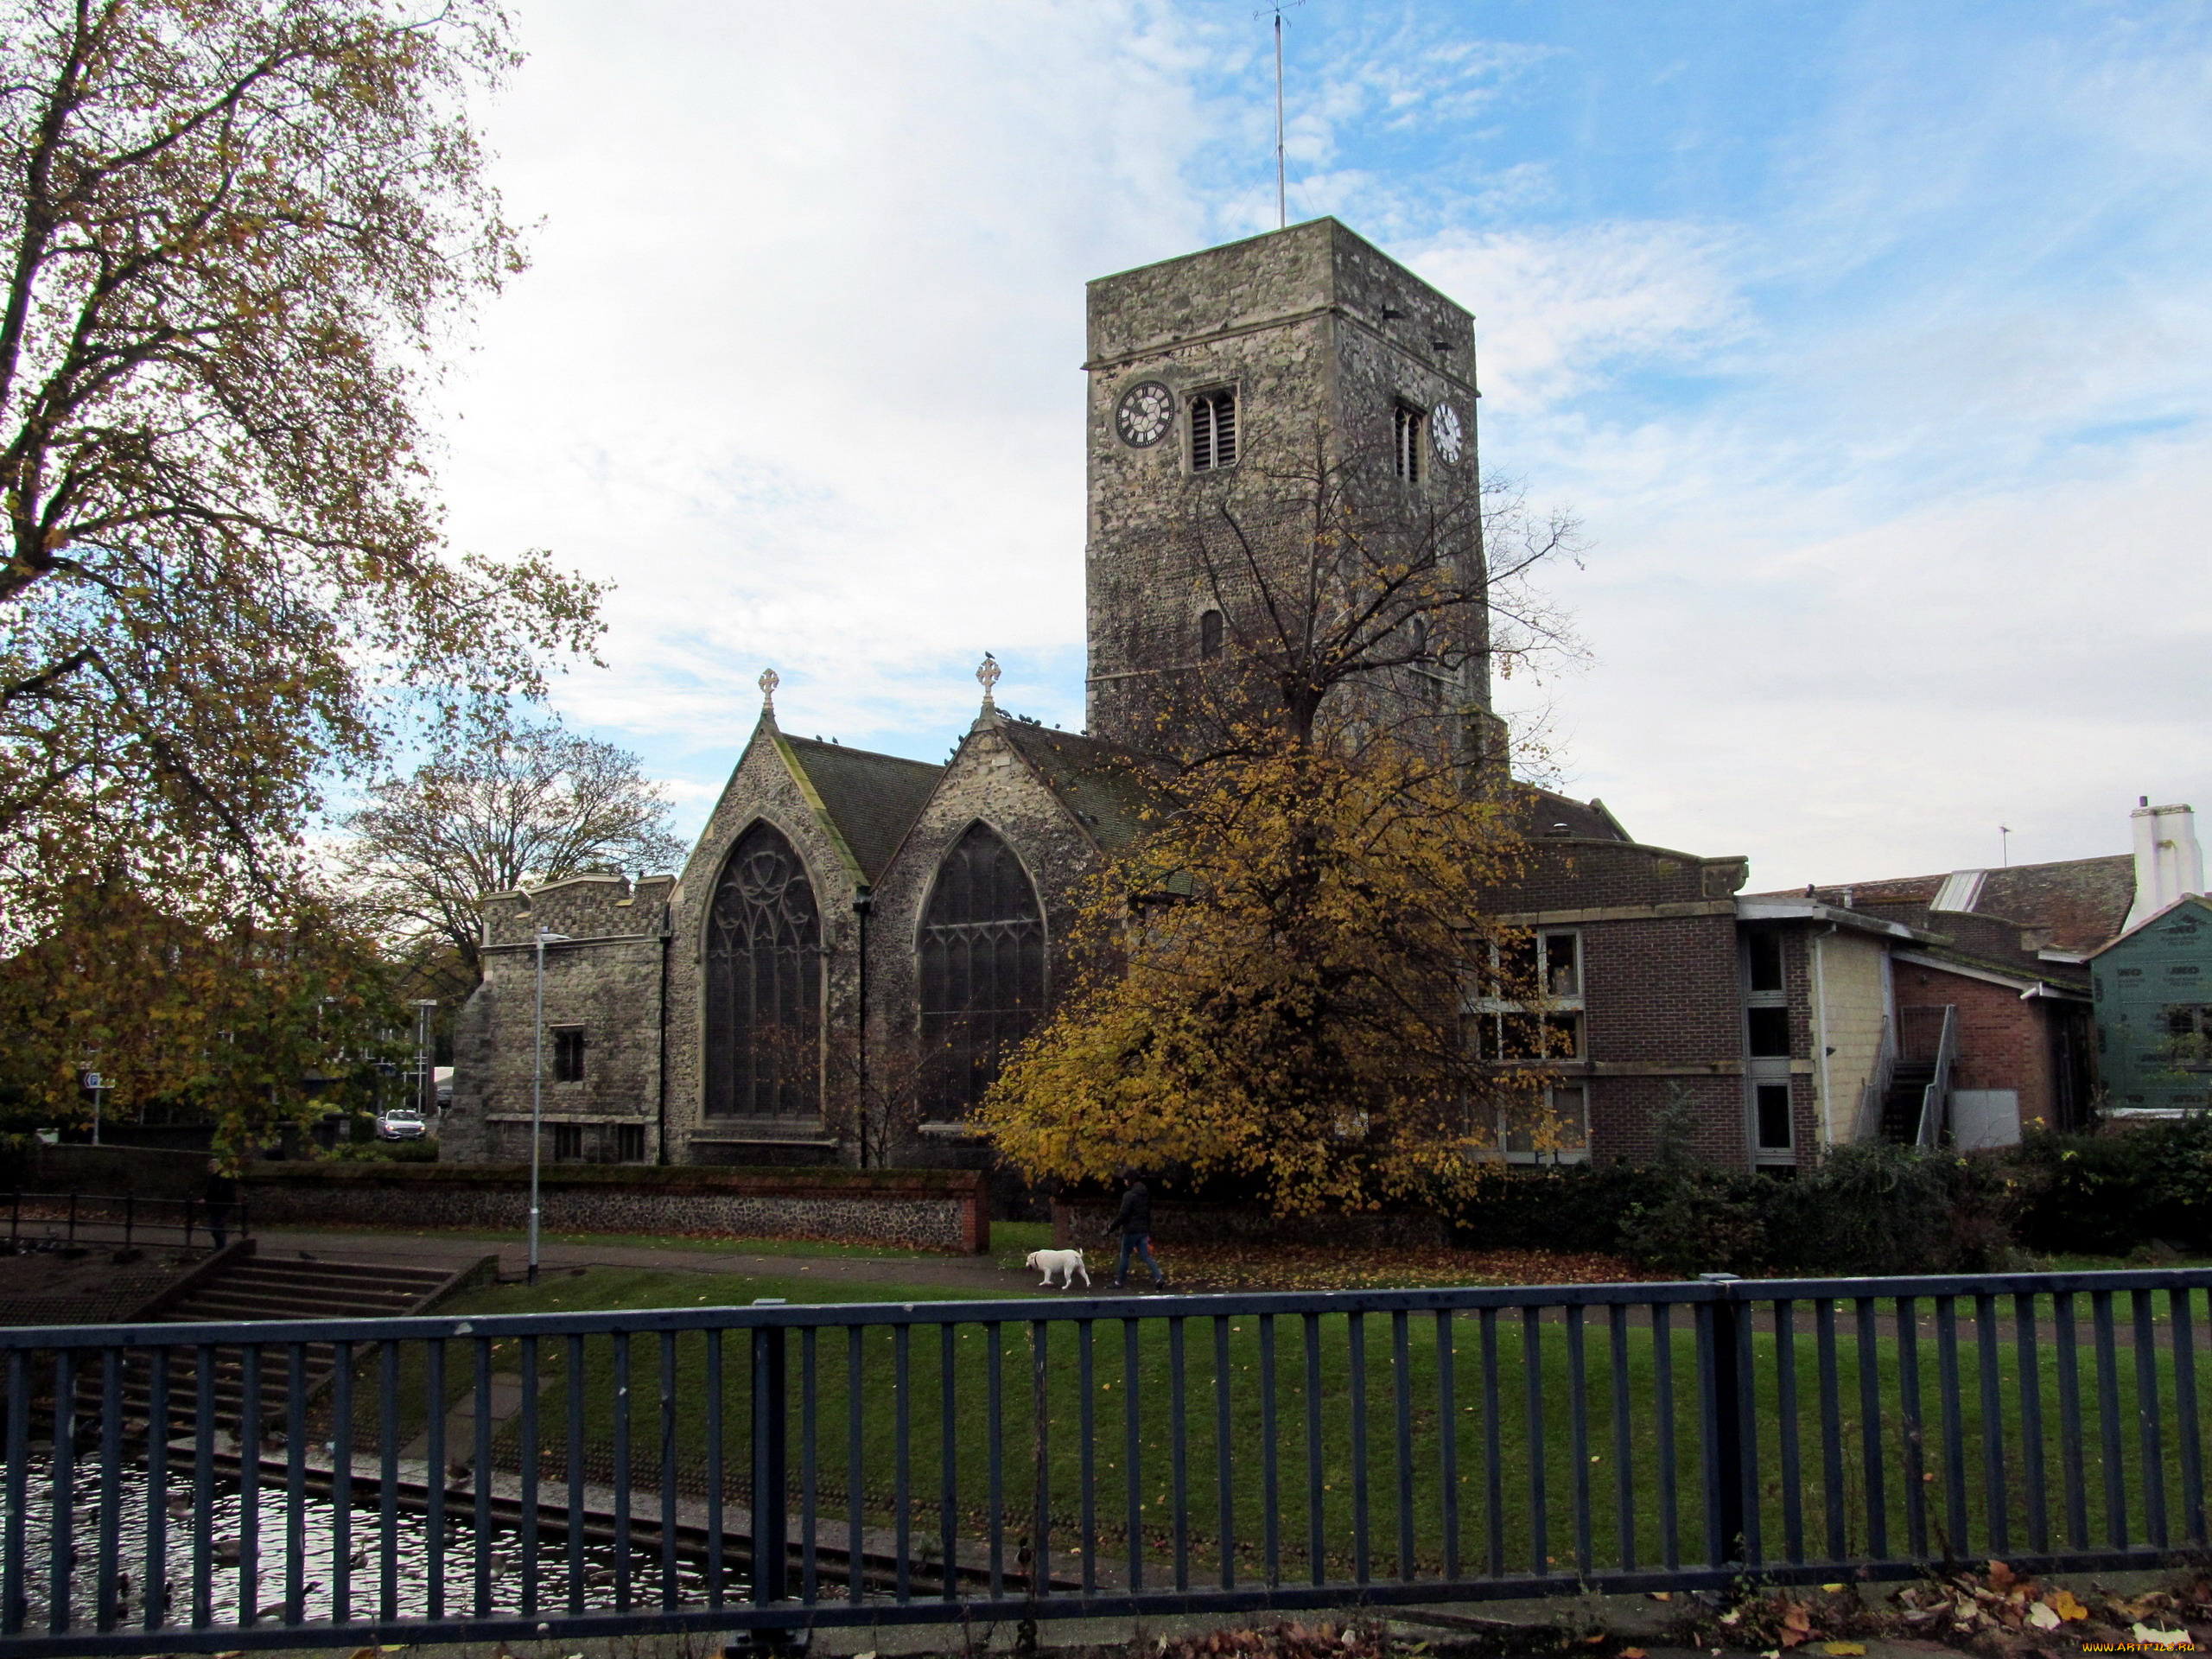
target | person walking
[
  {"x": 1133, "y": 1221},
  {"x": 220, "y": 1194}
]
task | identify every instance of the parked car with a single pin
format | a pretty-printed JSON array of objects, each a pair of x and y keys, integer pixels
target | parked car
[{"x": 400, "y": 1124}]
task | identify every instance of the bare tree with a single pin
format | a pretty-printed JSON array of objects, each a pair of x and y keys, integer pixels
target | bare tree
[
  {"x": 500, "y": 804},
  {"x": 1356, "y": 605}
]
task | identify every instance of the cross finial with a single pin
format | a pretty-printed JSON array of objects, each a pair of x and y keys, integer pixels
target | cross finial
[
  {"x": 988, "y": 673},
  {"x": 768, "y": 683}
]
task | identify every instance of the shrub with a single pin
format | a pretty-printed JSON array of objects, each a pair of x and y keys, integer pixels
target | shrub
[
  {"x": 2113, "y": 1191},
  {"x": 1867, "y": 1211},
  {"x": 1880, "y": 1209}
]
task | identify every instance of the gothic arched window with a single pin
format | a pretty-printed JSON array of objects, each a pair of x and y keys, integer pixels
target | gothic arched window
[
  {"x": 763, "y": 984},
  {"x": 982, "y": 963}
]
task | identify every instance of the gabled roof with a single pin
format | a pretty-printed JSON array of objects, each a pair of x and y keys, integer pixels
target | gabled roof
[
  {"x": 1108, "y": 788},
  {"x": 2197, "y": 900},
  {"x": 870, "y": 798}
]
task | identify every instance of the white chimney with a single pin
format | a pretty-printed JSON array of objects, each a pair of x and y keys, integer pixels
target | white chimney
[{"x": 2168, "y": 860}]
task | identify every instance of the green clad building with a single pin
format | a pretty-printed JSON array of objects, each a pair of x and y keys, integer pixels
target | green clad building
[{"x": 2153, "y": 987}]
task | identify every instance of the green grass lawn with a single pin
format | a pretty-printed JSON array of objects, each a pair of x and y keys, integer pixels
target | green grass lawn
[
  {"x": 1001, "y": 1232},
  {"x": 1363, "y": 1401}
]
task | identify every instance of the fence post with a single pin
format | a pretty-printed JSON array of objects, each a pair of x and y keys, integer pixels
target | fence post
[
  {"x": 771, "y": 1472},
  {"x": 188, "y": 1224},
  {"x": 1727, "y": 1421},
  {"x": 129, "y": 1214},
  {"x": 16, "y": 1218},
  {"x": 73, "y": 1218}
]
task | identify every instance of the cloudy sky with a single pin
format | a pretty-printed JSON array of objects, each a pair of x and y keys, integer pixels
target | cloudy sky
[{"x": 1871, "y": 342}]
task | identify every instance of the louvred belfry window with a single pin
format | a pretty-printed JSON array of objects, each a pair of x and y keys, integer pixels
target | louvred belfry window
[
  {"x": 982, "y": 969},
  {"x": 1213, "y": 430},
  {"x": 764, "y": 985},
  {"x": 1406, "y": 423}
]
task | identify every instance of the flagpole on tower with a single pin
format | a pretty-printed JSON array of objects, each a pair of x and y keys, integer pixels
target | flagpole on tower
[{"x": 1282, "y": 197}]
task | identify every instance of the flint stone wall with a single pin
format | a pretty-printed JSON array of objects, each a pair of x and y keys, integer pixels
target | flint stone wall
[{"x": 939, "y": 1210}]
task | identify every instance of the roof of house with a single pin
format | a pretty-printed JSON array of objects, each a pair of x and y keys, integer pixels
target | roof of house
[
  {"x": 2078, "y": 905},
  {"x": 1110, "y": 789},
  {"x": 871, "y": 798}
]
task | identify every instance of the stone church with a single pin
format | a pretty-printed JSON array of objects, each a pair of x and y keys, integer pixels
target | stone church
[{"x": 858, "y": 940}]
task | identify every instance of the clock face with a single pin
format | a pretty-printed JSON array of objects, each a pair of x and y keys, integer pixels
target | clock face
[
  {"x": 1144, "y": 414},
  {"x": 1444, "y": 433}
]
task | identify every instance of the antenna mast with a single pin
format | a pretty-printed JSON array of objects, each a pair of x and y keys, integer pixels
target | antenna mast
[{"x": 1282, "y": 201}]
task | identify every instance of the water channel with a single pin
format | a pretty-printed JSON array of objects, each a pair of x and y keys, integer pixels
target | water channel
[{"x": 407, "y": 1553}]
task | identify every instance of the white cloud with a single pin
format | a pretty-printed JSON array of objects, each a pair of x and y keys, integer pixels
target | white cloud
[
  {"x": 1894, "y": 478},
  {"x": 797, "y": 364},
  {"x": 1560, "y": 311}
]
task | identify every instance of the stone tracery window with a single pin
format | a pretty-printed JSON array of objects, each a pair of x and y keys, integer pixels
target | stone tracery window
[
  {"x": 982, "y": 968},
  {"x": 763, "y": 984}
]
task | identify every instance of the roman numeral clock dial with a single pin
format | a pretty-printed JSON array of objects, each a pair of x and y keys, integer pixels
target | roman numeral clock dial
[
  {"x": 1145, "y": 413},
  {"x": 1444, "y": 433}
]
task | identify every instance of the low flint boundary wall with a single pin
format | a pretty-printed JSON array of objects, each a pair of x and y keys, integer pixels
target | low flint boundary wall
[
  {"x": 1083, "y": 1221},
  {"x": 143, "y": 1171},
  {"x": 945, "y": 1210}
]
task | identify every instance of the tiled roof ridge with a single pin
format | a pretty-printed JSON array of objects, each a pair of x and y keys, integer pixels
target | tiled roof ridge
[
  {"x": 1936, "y": 879},
  {"x": 858, "y": 752}
]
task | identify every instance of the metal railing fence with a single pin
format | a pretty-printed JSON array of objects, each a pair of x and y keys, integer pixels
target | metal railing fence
[
  {"x": 364, "y": 1481},
  {"x": 1935, "y": 1099},
  {"x": 121, "y": 1218}
]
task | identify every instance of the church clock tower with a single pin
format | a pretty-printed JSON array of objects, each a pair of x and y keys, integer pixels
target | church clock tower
[{"x": 1215, "y": 380}]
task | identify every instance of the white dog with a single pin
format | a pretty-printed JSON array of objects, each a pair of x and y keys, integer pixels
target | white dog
[{"x": 1067, "y": 1263}]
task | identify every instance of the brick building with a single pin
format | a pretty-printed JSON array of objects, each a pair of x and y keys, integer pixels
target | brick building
[{"x": 1753, "y": 1024}]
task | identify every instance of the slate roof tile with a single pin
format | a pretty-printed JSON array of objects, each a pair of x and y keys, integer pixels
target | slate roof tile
[{"x": 872, "y": 798}]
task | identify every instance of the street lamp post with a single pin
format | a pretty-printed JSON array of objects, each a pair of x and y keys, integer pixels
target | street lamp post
[
  {"x": 425, "y": 1007},
  {"x": 538, "y": 1094}
]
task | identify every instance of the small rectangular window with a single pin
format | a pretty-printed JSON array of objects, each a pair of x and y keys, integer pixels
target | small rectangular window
[
  {"x": 1508, "y": 1036},
  {"x": 1774, "y": 1117},
  {"x": 1562, "y": 965},
  {"x": 1557, "y": 1132},
  {"x": 1405, "y": 450},
  {"x": 567, "y": 1143},
  {"x": 1766, "y": 961},
  {"x": 1769, "y": 1033},
  {"x": 1213, "y": 430},
  {"x": 569, "y": 1054},
  {"x": 629, "y": 1143}
]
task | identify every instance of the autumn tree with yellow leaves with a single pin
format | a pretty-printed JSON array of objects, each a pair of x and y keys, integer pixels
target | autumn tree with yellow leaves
[
  {"x": 1270, "y": 986},
  {"x": 238, "y": 239}
]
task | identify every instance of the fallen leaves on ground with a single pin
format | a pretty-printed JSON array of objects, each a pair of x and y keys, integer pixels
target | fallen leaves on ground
[
  {"x": 1314, "y": 1266},
  {"x": 1992, "y": 1610},
  {"x": 1283, "y": 1642}
]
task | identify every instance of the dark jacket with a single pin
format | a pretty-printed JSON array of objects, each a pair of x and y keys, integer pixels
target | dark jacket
[{"x": 1135, "y": 1214}]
